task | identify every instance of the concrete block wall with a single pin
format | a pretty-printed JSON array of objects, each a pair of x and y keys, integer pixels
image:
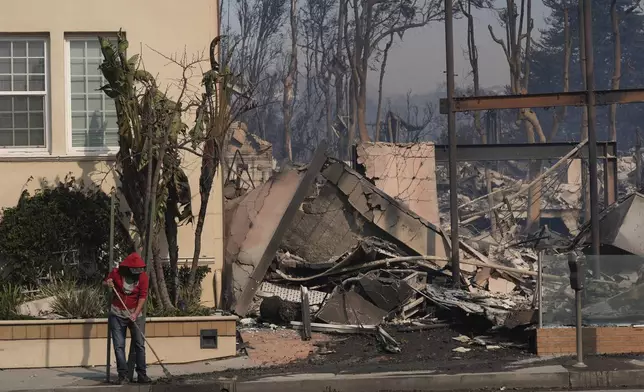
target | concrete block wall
[{"x": 596, "y": 340}]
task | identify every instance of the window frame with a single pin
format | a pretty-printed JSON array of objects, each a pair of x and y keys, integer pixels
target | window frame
[
  {"x": 46, "y": 95},
  {"x": 71, "y": 150}
]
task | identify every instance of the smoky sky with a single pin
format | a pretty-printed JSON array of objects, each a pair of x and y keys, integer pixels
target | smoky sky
[{"x": 418, "y": 62}]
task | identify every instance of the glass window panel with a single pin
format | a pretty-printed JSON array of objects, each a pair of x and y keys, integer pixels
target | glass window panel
[
  {"x": 36, "y": 82},
  {"x": 79, "y": 139},
  {"x": 20, "y": 83},
  {"x": 93, "y": 48},
  {"x": 36, "y": 103},
  {"x": 95, "y": 103},
  {"x": 110, "y": 106},
  {"x": 6, "y": 138},
  {"x": 5, "y": 50},
  {"x": 19, "y": 66},
  {"x": 94, "y": 84},
  {"x": 111, "y": 121},
  {"x": 37, "y": 137},
  {"x": 79, "y": 121},
  {"x": 36, "y": 49},
  {"x": 5, "y": 82},
  {"x": 36, "y": 120},
  {"x": 6, "y": 121},
  {"x": 20, "y": 104},
  {"x": 5, "y": 104},
  {"x": 78, "y": 85},
  {"x": 21, "y": 137},
  {"x": 95, "y": 121},
  {"x": 92, "y": 67},
  {"x": 5, "y": 66},
  {"x": 78, "y": 67},
  {"x": 19, "y": 48},
  {"x": 37, "y": 66},
  {"x": 20, "y": 120},
  {"x": 77, "y": 49},
  {"x": 78, "y": 103}
]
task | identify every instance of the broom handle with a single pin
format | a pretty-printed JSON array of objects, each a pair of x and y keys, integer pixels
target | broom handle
[{"x": 136, "y": 325}]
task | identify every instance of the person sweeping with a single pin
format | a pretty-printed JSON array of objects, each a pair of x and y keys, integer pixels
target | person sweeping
[{"x": 130, "y": 284}]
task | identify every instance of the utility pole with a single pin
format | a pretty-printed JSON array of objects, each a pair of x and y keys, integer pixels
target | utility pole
[
  {"x": 638, "y": 160},
  {"x": 451, "y": 137},
  {"x": 592, "y": 135}
]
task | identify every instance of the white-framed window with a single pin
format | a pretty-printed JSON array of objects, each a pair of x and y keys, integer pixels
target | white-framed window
[
  {"x": 23, "y": 94},
  {"x": 92, "y": 114}
]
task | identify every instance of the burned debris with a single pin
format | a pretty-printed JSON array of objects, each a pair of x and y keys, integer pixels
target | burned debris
[{"x": 327, "y": 247}]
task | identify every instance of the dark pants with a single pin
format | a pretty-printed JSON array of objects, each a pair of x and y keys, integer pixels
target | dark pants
[{"x": 119, "y": 327}]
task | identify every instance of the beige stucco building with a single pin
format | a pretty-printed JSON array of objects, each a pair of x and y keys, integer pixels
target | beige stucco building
[{"x": 53, "y": 121}]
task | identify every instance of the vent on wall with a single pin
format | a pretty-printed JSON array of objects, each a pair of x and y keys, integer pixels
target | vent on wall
[{"x": 208, "y": 338}]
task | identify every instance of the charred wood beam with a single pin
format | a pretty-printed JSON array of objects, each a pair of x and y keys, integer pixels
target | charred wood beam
[
  {"x": 522, "y": 151},
  {"x": 575, "y": 98}
]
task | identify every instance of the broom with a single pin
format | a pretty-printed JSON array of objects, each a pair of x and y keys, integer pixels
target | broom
[{"x": 166, "y": 372}]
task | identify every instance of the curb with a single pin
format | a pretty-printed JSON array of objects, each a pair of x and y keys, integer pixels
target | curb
[{"x": 394, "y": 382}]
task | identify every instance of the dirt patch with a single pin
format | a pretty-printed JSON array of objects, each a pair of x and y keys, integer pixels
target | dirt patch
[{"x": 282, "y": 351}]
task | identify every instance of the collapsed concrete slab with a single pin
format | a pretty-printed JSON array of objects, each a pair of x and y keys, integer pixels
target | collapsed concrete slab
[
  {"x": 349, "y": 207},
  {"x": 255, "y": 224}
]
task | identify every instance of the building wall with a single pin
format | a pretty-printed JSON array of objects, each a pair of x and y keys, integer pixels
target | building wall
[{"x": 151, "y": 26}]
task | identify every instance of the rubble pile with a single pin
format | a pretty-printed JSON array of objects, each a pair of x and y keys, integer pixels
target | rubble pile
[{"x": 324, "y": 248}]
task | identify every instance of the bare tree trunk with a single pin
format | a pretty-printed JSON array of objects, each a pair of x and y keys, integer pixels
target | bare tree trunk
[
  {"x": 289, "y": 83},
  {"x": 383, "y": 67},
  {"x": 617, "y": 71},
  {"x": 339, "y": 77},
  {"x": 560, "y": 113},
  {"x": 171, "y": 232},
  {"x": 164, "y": 296}
]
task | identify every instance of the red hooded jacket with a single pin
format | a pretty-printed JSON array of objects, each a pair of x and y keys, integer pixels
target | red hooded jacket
[{"x": 140, "y": 290}]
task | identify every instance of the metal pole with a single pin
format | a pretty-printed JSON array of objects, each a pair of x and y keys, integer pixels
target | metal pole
[
  {"x": 451, "y": 135},
  {"x": 580, "y": 353},
  {"x": 540, "y": 287},
  {"x": 108, "y": 363},
  {"x": 592, "y": 135}
]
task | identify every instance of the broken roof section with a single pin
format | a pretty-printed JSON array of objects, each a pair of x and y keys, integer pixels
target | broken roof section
[{"x": 620, "y": 225}]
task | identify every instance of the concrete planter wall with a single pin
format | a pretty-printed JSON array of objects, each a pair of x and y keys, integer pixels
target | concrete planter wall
[
  {"x": 596, "y": 340},
  {"x": 70, "y": 343}
]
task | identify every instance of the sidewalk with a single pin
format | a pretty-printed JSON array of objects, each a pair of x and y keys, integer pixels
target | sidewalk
[{"x": 602, "y": 372}]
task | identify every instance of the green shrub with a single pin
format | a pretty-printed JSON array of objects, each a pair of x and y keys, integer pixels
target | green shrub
[
  {"x": 10, "y": 298},
  {"x": 60, "y": 230},
  {"x": 77, "y": 302},
  {"x": 189, "y": 300}
]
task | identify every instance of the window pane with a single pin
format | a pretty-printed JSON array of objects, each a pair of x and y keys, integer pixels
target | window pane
[
  {"x": 5, "y": 66},
  {"x": 37, "y": 137},
  {"x": 36, "y": 103},
  {"x": 20, "y": 83},
  {"x": 92, "y": 67},
  {"x": 37, "y": 66},
  {"x": 36, "y": 120},
  {"x": 77, "y": 49},
  {"x": 19, "y": 48},
  {"x": 5, "y": 82},
  {"x": 110, "y": 106},
  {"x": 21, "y": 137},
  {"x": 78, "y": 103},
  {"x": 93, "y": 48},
  {"x": 6, "y": 138},
  {"x": 36, "y": 83},
  {"x": 78, "y": 85},
  {"x": 94, "y": 103},
  {"x": 111, "y": 121},
  {"x": 78, "y": 67},
  {"x": 20, "y": 104},
  {"x": 5, "y": 104},
  {"x": 20, "y": 120},
  {"x": 6, "y": 121},
  {"x": 94, "y": 84},
  {"x": 19, "y": 66},
  {"x": 5, "y": 49},
  {"x": 79, "y": 121},
  {"x": 36, "y": 49}
]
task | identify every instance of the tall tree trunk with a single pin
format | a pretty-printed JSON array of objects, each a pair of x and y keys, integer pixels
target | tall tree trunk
[
  {"x": 617, "y": 70},
  {"x": 171, "y": 232},
  {"x": 289, "y": 84},
  {"x": 560, "y": 113},
  {"x": 383, "y": 67},
  {"x": 164, "y": 296}
]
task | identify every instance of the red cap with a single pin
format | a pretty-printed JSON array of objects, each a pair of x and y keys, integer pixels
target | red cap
[{"x": 133, "y": 261}]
